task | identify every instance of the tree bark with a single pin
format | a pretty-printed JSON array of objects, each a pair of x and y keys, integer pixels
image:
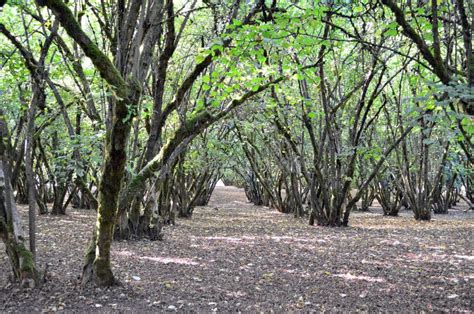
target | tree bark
[
  {"x": 97, "y": 263},
  {"x": 11, "y": 230},
  {"x": 39, "y": 97}
]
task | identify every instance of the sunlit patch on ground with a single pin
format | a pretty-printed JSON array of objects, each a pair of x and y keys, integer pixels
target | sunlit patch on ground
[{"x": 349, "y": 276}]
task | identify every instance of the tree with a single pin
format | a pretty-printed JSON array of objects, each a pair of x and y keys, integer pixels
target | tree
[{"x": 11, "y": 230}]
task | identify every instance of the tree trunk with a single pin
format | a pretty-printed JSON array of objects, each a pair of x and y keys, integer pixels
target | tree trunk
[
  {"x": 11, "y": 231},
  {"x": 59, "y": 197},
  {"x": 38, "y": 100},
  {"x": 125, "y": 97},
  {"x": 97, "y": 265}
]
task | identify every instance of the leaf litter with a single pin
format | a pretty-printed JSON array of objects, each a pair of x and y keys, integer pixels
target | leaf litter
[{"x": 242, "y": 257}]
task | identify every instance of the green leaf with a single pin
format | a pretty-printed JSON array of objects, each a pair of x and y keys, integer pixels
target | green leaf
[{"x": 391, "y": 32}]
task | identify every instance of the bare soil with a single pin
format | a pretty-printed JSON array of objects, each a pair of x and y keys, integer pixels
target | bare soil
[{"x": 232, "y": 256}]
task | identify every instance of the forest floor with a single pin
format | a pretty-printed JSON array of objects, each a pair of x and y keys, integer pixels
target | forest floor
[{"x": 232, "y": 256}]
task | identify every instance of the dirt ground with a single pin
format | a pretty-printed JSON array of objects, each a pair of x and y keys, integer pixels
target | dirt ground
[{"x": 232, "y": 256}]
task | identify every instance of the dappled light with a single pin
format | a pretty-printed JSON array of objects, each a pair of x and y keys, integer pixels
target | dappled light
[
  {"x": 160, "y": 259},
  {"x": 349, "y": 276},
  {"x": 245, "y": 260}
]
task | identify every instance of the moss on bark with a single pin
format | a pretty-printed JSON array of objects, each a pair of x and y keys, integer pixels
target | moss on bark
[{"x": 22, "y": 262}]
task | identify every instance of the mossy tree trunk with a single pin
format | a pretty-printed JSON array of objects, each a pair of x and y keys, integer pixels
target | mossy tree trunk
[
  {"x": 11, "y": 231},
  {"x": 109, "y": 189},
  {"x": 38, "y": 100},
  {"x": 97, "y": 266}
]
